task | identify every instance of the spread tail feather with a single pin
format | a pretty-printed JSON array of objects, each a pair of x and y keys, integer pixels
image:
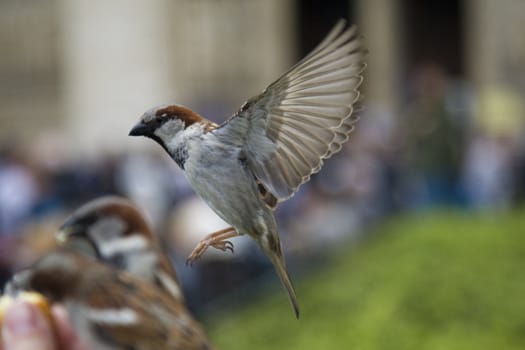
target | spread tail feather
[{"x": 280, "y": 267}]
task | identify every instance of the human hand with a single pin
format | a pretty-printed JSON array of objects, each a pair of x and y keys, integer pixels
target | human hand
[{"x": 26, "y": 328}]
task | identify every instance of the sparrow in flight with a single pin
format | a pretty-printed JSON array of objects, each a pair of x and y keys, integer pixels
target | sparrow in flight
[{"x": 260, "y": 156}]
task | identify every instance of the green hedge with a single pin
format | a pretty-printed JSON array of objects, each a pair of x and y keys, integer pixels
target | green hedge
[{"x": 441, "y": 280}]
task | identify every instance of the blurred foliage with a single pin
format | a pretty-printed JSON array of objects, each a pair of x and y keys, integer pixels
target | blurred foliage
[{"x": 441, "y": 280}]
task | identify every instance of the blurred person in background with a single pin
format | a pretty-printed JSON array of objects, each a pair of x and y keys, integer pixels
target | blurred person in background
[
  {"x": 147, "y": 179},
  {"x": 487, "y": 173},
  {"x": 18, "y": 192},
  {"x": 431, "y": 142},
  {"x": 492, "y": 159}
]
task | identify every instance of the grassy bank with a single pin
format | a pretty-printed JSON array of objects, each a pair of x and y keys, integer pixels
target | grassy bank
[{"x": 441, "y": 280}]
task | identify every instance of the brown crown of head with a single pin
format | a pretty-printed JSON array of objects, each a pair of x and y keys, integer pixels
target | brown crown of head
[
  {"x": 188, "y": 116},
  {"x": 79, "y": 222}
]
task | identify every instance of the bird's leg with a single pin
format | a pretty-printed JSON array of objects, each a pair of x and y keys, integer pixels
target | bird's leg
[{"x": 217, "y": 240}]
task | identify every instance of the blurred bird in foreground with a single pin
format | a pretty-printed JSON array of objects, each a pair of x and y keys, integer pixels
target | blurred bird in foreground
[
  {"x": 116, "y": 232},
  {"x": 258, "y": 158},
  {"x": 113, "y": 303}
]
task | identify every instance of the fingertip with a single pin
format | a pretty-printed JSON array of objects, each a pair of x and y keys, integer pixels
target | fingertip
[
  {"x": 59, "y": 313},
  {"x": 25, "y": 327}
]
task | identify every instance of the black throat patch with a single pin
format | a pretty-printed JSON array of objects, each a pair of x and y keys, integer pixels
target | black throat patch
[{"x": 180, "y": 156}]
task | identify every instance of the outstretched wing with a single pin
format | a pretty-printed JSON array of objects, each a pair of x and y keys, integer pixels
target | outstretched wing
[{"x": 303, "y": 117}]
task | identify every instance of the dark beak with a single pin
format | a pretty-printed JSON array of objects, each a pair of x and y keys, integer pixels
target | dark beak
[
  {"x": 65, "y": 232},
  {"x": 75, "y": 226},
  {"x": 140, "y": 129}
]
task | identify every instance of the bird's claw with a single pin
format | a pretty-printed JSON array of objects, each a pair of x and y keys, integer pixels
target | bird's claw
[
  {"x": 223, "y": 245},
  {"x": 203, "y": 246},
  {"x": 191, "y": 260}
]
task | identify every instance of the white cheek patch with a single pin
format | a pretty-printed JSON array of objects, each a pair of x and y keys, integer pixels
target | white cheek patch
[
  {"x": 124, "y": 316},
  {"x": 106, "y": 229},
  {"x": 129, "y": 243},
  {"x": 169, "y": 129}
]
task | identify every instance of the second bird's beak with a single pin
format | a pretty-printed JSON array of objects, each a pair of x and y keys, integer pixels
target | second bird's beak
[
  {"x": 64, "y": 233},
  {"x": 67, "y": 230},
  {"x": 140, "y": 129},
  {"x": 71, "y": 227}
]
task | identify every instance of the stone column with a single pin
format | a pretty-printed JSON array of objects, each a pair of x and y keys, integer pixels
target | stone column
[
  {"x": 226, "y": 51},
  {"x": 495, "y": 46},
  {"x": 116, "y": 63},
  {"x": 378, "y": 21},
  {"x": 496, "y": 64},
  {"x": 123, "y": 56}
]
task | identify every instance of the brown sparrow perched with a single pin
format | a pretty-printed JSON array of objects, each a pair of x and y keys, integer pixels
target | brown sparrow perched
[
  {"x": 273, "y": 144},
  {"x": 111, "y": 309},
  {"x": 115, "y": 232}
]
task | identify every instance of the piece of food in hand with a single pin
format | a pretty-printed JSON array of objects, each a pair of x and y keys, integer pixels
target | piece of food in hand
[
  {"x": 111, "y": 309},
  {"x": 32, "y": 298}
]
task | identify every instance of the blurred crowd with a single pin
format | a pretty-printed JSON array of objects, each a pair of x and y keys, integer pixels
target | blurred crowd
[{"x": 447, "y": 146}]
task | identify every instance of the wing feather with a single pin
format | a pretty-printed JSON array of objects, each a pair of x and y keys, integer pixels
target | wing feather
[{"x": 303, "y": 117}]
